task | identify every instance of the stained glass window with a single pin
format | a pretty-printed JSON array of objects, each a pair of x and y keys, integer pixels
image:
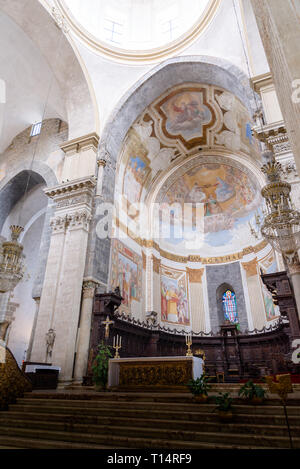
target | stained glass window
[{"x": 229, "y": 307}]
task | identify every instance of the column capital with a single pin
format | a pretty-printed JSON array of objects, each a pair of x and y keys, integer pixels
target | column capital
[
  {"x": 250, "y": 267},
  {"x": 294, "y": 268},
  {"x": 195, "y": 275},
  {"x": 88, "y": 288}
]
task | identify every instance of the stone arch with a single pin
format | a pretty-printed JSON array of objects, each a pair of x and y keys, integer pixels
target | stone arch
[
  {"x": 70, "y": 74},
  {"x": 198, "y": 69},
  {"x": 13, "y": 190}
]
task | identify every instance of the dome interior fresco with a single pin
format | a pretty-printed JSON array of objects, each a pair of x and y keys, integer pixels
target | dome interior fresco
[{"x": 138, "y": 25}]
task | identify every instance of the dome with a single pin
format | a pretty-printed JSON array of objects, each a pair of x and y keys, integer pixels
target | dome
[{"x": 138, "y": 26}]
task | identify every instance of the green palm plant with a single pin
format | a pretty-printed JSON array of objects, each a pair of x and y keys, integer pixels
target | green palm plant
[
  {"x": 100, "y": 366},
  {"x": 252, "y": 391}
]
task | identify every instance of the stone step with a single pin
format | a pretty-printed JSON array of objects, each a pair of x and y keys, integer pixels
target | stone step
[
  {"x": 13, "y": 442},
  {"x": 96, "y": 415},
  {"x": 97, "y": 424},
  {"x": 173, "y": 440},
  {"x": 142, "y": 397},
  {"x": 51, "y": 405}
]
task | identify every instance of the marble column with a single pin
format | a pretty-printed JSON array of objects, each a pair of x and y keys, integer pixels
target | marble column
[
  {"x": 84, "y": 330},
  {"x": 62, "y": 289},
  {"x": 101, "y": 165},
  {"x": 4, "y": 320},
  {"x": 255, "y": 294},
  {"x": 197, "y": 299},
  {"x": 37, "y": 307},
  {"x": 279, "y": 28},
  {"x": 294, "y": 272}
]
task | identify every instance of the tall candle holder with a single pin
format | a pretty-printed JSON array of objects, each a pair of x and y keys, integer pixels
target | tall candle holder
[
  {"x": 188, "y": 341},
  {"x": 117, "y": 345}
]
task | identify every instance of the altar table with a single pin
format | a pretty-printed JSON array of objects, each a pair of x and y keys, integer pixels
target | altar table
[{"x": 153, "y": 371}]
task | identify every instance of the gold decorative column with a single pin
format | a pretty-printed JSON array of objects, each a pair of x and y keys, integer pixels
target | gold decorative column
[
  {"x": 84, "y": 330},
  {"x": 195, "y": 277}
]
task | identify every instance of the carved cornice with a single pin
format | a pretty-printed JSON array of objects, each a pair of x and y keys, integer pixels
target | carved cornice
[
  {"x": 73, "y": 194},
  {"x": 195, "y": 275},
  {"x": 261, "y": 81},
  {"x": 250, "y": 267},
  {"x": 148, "y": 243},
  {"x": 90, "y": 141}
]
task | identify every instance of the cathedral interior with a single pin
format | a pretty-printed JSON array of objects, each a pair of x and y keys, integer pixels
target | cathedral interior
[{"x": 149, "y": 202}]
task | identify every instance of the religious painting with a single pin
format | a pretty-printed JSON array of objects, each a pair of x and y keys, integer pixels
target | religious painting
[
  {"x": 126, "y": 273},
  {"x": 186, "y": 114},
  {"x": 272, "y": 311},
  {"x": 137, "y": 168},
  {"x": 236, "y": 133},
  {"x": 135, "y": 175},
  {"x": 174, "y": 297},
  {"x": 225, "y": 192}
]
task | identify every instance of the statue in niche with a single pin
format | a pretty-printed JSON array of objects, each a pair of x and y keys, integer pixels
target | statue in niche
[{"x": 50, "y": 339}]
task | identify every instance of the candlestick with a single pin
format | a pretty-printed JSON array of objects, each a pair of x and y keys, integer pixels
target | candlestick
[
  {"x": 188, "y": 341},
  {"x": 117, "y": 345}
]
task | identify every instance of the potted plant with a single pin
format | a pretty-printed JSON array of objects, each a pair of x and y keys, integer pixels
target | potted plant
[
  {"x": 224, "y": 406},
  {"x": 199, "y": 387},
  {"x": 254, "y": 393},
  {"x": 100, "y": 367}
]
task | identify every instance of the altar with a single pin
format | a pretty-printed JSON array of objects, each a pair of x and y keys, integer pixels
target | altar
[{"x": 160, "y": 372}]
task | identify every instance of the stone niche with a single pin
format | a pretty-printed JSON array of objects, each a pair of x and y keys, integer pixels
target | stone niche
[{"x": 227, "y": 276}]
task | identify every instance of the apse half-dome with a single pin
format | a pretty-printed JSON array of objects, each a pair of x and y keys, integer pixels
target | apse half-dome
[{"x": 206, "y": 207}]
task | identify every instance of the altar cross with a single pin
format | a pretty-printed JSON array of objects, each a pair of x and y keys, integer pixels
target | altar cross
[{"x": 107, "y": 323}]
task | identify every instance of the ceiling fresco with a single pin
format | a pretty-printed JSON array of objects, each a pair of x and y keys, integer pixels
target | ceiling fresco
[{"x": 185, "y": 118}]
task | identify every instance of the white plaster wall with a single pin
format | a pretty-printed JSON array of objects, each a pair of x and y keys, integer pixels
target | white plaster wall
[{"x": 33, "y": 208}]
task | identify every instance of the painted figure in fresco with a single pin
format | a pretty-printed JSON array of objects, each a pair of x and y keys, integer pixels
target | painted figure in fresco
[
  {"x": 224, "y": 191},
  {"x": 172, "y": 302},
  {"x": 164, "y": 302},
  {"x": 188, "y": 112},
  {"x": 182, "y": 307},
  {"x": 211, "y": 207},
  {"x": 134, "y": 178}
]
